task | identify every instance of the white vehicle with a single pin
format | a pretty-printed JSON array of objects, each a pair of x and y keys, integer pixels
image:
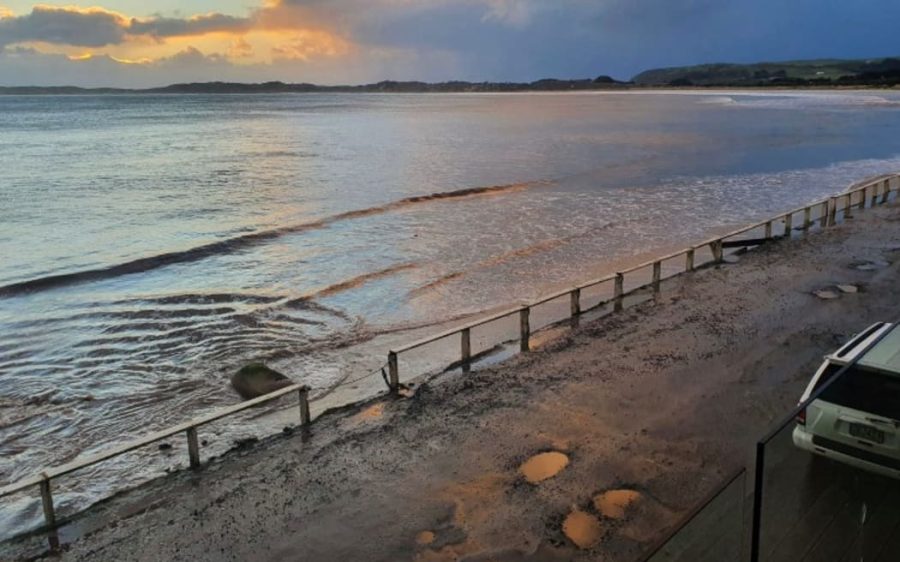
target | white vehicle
[{"x": 856, "y": 420}]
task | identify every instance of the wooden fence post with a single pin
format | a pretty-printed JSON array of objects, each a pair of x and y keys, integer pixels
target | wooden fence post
[
  {"x": 768, "y": 233},
  {"x": 823, "y": 220},
  {"x": 657, "y": 276},
  {"x": 193, "y": 447},
  {"x": 848, "y": 213},
  {"x": 524, "y": 329},
  {"x": 807, "y": 218},
  {"x": 618, "y": 291},
  {"x": 393, "y": 372},
  {"x": 887, "y": 190},
  {"x": 832, "y": 213},
  {"x": 716, "y": 247},
  {"x": 689, "y": 260},
  {"x": 47, "y": 502},
  {"x": 575, "y": 302},
  {"x": 862, "y": 197},
  {"x": 303, "y": 397},
  {"x": 788, "y": 224},
  {"x": 465, "y": 344}
]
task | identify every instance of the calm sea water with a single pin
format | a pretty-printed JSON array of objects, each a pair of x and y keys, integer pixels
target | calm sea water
[{"x": 151, "y": 245}]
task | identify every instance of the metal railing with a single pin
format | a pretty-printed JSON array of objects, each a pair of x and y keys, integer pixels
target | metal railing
[{"x": 830, "y": 207}]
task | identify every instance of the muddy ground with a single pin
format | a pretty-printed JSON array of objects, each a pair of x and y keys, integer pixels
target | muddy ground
[{"x": 663, "y": 399}]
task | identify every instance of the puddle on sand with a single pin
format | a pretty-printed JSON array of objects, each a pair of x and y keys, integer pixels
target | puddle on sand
[
  {"x": 475, "y": 501},
  {"x": 583, "y": 529},
  {"x": 547, "y": 336},
  {"x": 543, "y": 466},
  {"x": 373, "y": 412},
  {"x": 613, "y": 503},
  {"x": 425, "y": 537}
]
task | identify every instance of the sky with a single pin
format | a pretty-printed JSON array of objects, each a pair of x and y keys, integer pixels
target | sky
[{"x": 125, "y": 43}]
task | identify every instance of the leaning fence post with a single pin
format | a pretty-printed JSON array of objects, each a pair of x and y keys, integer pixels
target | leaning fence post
[
  {"x": 47, "y": 502},
  {"x": 657, "y": 276},
  {"x": 303, "y": 400},
  {"x": 807, "y": 218},
  {"x": 618, "y": 291},
  {"x": 524, "y": 329},
  {"x": 393, "y": 374},
  {"x": 465, "y": 348},
  {"x": 716, "y": 247},
  {"x": 193, "y": 447},
  {"x": 689, "y": 260},
  {"x": 788, "y": 224},
  {"x": 575, "y": 302}
]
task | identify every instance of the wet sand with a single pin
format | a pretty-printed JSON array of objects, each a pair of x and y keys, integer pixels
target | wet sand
[{"x": 662, "y": 399}]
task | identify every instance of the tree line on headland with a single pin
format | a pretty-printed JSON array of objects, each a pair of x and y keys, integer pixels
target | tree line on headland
[{"x": 825, "y": 73}]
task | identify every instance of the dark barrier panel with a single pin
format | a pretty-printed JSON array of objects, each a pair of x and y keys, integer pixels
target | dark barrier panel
[
  {"x": 815, "y": 509},
  {"x": 712, "y": 532},
  {"x": 826, "y": 482}
]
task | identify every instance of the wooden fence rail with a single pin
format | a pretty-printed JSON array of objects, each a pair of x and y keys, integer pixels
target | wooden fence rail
[
  {"x": 189, "y": 428},
  {"x": 829, "y": 208}
]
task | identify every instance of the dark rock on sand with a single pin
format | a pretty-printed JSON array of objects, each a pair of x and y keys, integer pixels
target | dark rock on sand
[
  {"x": 256, "y": 379},
  {"x": 245, "y": 442}
]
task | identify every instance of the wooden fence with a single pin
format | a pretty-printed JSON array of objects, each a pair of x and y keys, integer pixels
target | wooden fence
[
  {"x": 189, "y": 428},
  {"x": 823, "y": 212}
]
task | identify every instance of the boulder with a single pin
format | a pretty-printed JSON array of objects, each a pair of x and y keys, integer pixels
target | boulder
[{"x": 256, "y": 379}]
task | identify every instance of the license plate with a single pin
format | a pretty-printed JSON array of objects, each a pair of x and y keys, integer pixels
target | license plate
[{"x": 867, "y": 432}]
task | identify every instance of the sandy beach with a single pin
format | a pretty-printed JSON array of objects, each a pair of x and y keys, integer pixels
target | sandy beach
[{"x": 662, "y": 399}]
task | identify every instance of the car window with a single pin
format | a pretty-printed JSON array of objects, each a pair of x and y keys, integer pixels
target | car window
[{"x": 865, "y": 390}]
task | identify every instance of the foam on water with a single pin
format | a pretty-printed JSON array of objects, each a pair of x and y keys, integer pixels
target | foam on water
[{"x": 801, "y": 101}]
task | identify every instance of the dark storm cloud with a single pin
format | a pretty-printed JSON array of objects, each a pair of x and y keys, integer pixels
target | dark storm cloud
[
  {"x": 507, "y": 39},
  {"x": 83, "y": 28},
  {"x": 196, "y": 25},
  {"x": 96, "y": 27},
  {"x": 580, "y": 38}
]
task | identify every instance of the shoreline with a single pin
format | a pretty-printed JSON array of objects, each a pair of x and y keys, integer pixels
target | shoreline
[
  {"x": 497, "y": 343},
  {"x": 513, "y": 385},
  {"x": 683, "y": 90},
  {"x": 550, "y": 324}
]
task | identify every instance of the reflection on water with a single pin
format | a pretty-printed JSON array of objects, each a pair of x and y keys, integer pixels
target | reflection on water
[{"x": 154, "y": 244}]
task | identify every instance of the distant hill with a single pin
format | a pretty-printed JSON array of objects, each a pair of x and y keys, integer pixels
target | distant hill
[
  {"x": 387, "y": 86},
  {"x": 884, "y": 72},
  {"x": 825, "y": 72}
]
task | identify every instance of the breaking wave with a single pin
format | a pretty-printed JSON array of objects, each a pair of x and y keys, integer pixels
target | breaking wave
[
  {"x": 240, "y": 242},
  {"x": 518, "y": 253}
]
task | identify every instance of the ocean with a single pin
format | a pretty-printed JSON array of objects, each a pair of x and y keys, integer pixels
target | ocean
[{"x": 151, "y": 245}]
